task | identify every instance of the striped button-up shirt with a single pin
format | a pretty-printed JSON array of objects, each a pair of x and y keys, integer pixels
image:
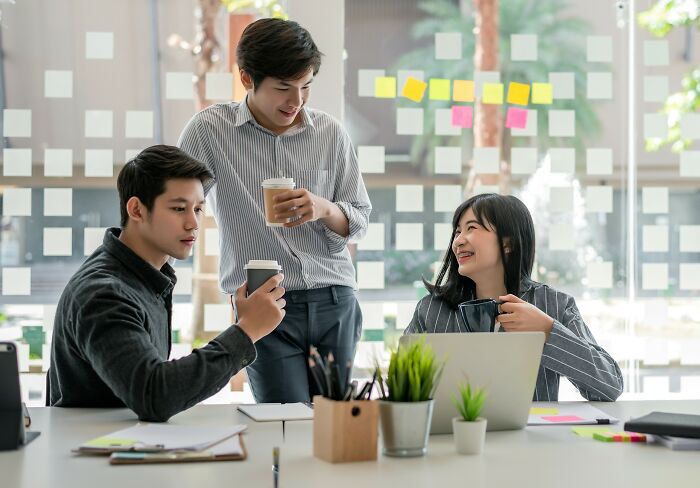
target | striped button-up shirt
[
  {"x": 570, "y": 350},
  {"x": 241, "y": 153}
]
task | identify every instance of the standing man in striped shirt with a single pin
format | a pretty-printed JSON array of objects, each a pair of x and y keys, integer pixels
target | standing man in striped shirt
[{"x": 273, "y": 134}]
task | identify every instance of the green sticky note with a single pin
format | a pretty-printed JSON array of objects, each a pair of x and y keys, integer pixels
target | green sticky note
[
  {"x": 385, "y": 87},
  {"x": 543, "y": 411},
  {"x": 107, "y": 442},
  {"x": 439, "y": 89},
  {"x": 542, "y": 93},
  {"x": 589, "y": 431}
]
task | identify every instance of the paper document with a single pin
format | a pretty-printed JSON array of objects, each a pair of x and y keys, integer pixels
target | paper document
[
  {"x": 276, "y": 412},
  {"x": 567, "y": 413}
]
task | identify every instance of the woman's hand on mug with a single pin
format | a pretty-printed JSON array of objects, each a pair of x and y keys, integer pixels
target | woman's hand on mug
[{"x": 520, "y": 316}]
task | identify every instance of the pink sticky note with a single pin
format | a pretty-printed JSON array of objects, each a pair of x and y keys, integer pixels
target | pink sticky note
[
  {"x": 562, "y": 418},
  {"x": 516, "y": 118},
  {"x": 462, "y": 116}
]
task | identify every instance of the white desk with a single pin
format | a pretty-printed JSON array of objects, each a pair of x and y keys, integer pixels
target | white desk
[{"x": 546, "y": 456}]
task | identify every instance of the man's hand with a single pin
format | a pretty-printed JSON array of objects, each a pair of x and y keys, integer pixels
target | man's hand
[
  {"x": 520, "y": 316},
  {"x": 301, "y": 205},
  {"x": 262, "y": 311}
]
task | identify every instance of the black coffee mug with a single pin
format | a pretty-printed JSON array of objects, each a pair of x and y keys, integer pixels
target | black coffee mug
[{"x": 480, "y": 315}]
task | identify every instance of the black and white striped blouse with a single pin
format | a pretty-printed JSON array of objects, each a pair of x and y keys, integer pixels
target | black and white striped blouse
[{"x": 570, "y": 350}]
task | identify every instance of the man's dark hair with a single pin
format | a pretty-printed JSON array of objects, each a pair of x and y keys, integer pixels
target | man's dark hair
[
  {"x": 145, "y": 176},
  {"x": 277, "y": 48}
]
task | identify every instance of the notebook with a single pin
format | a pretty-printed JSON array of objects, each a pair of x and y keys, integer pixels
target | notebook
[
  {"x": 663, "y": 423},
  {"x": 231, "y": 449}
]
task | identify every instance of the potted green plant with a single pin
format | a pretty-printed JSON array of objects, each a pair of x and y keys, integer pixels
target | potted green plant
[
  {"x": 469, "y": 429},
  {"x": 406, "y": 404}
]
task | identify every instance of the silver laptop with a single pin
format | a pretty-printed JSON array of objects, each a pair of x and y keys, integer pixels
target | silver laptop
[{"x": 506, "y": 364}]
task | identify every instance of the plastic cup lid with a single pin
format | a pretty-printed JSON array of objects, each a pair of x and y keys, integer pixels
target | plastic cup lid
[
  {"x": 262, "y": 264},
  {"x": 278, "y": 182}
]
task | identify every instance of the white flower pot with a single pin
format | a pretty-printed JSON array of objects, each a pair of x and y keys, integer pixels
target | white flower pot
[{"x": 469, "y": 436}]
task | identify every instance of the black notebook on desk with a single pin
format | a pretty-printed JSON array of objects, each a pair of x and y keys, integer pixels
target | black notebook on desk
[{"x": 662, "y": 423}]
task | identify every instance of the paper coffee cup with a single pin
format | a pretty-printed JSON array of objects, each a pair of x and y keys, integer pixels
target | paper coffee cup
[
  {"x": 259, "y": 271},
  {"x": 272, "y": 187}
]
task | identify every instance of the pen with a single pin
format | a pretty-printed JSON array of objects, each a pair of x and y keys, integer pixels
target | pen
[
  {"x": 317, "y": 376},
  {"x": 275, "y": 465}
]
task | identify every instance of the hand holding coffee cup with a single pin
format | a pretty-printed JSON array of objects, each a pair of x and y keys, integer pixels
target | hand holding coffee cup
[
  {"x": 259, "y": 271},
  {"x": 262, "y": 311},
  {"x": 480, "y": 315},
  {"x": 520, "y": 316},
  {"x": 272, "y": 187}
]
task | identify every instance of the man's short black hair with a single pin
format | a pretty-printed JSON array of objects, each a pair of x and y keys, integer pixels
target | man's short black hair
[
  {"x": 277, "y": 48},
  {"x": 145, "y": 176}
]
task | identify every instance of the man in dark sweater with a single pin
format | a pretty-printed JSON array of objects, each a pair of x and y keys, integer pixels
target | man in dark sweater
[{"x": 111, "y": 338}]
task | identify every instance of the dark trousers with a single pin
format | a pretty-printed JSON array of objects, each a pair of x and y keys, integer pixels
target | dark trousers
[{"x": 327, "y": 318}]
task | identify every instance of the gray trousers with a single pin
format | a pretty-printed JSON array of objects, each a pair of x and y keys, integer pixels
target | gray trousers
[{"x": 327, "y": 318}]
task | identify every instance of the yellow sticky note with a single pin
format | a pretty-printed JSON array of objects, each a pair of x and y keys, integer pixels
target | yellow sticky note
[
  {"x": 493, "y": 93},
  {"x": 385, "y": 87},
  {"x": 414, "y": 89},
  {"x": 518, "y": 93},
  {"x": 542, "y": 93},
  {"x": 439, "y": 89},
  {"x": 543, "y": 411},
  {"x": 463, "y": 91},
  {"x": 107, "y": 442},
  {"x": 588, "y": 431}
]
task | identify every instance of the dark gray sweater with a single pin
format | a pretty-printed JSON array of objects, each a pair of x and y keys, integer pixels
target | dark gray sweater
[{"x": 111, "y": 341}]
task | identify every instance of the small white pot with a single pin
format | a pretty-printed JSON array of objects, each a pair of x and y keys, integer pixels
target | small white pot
[{"x": 469, "y": 436}]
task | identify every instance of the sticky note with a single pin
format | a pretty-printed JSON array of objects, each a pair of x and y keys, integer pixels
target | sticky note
[
  {"x": 543, "y": 411},
  {"x": 561, "y": 237},
  {"x": 599, "y": 86},
  {"x": 184, "y": 281},
  {"x": 655, "y": 53},
  {"x": 462, "y": 116},
  {"x": 179, "y": 85},
  {"x": 561, "y": 418},
  {"x": 92, "y": 239},
  {"x": 371, "y": 159},
  {"x": 689, "y": 276},
  {"x": 99, "y": 45},
  {"x": 98, "y": 123},
  {"x": 17, "y": 162},
  {"x": 404, "y": 314},
  {"x": 690, "y": 126},
  {"x": 414, "y": 89},
  {"x": 107, "y": 442},
  {"x": 654, "y": 200},
  {"x": 139, "y": 124},
  {"x": 443, "y": 123},
  {"x": 523, "y": 47},
  {"x": 689, "y": 237},
  {"x": 463, "y": 91},
  {"x": 365, "y": 81},
  {"x": 58, "y": 241},
  {"x": 655, "y": 238},
  {"x": 374, "y": 238},
  {"x": 448, "y": 198},
  {"x": 58, "y": 162},
  {"x": 370, "y": 275},
  {"x": 562, "y": 123},
  {"x": 516, "y": 118},
  {"x": 518, "y": 93},
  {"x": 409, "y": 237},
  {"x": 482, "y": 77},
  {"x": 619, "y": 437},
  {"x": 16, "y": 281},
  {"x": 448, "y": 160},
  {"x": 17, "y": 202},
  {"x": 588, "y": 431},
  {"x": 562, "y": 160},
  {"x": 442, "y": 236},
  {"x": 372, "y": 315},
  {"x": 523, "y": 160},
  {"x": 530, "y": 129},
  {"x": 99, "y": 163},
  {"x": 218, "y": 86},
  {"x": 403, "y": 75},
  {"x": 599, "y": 49},
  {"x": 599, "y": 161},
  {"x": 690, "y": 164},
  {"x": 487, "y": 160},
  {"x": 542, "y": 93},
  {"x": 409, "y": 121},
  {"x": 17, "y": 123},
  {"x": 655, "y": 126},
  {"x": 385, "y": 87},
  {"x": 448, "y": 45},
  {"x": 217, "y": 316},
  {"x": 409, "y": 198},
  {"x": 654, "y": 276},
  {"x": 211, "y": 242},
  {"x": 599, "y": 275},
  {"x": 58, "y": 202},
  {"x": 439, "y": 89},
  {"x": 561, "y": 199},
  {"x": 655, "y": 88},
  {"x": 58, "y": 84},
  {"x": 599, "y": 199},
  {"x": 493, "y": 93},
  {"x": 563, "y": 85}
]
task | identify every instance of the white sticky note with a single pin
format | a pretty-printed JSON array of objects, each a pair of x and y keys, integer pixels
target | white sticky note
[
  {"x": 562, "y": 123},
  {"x": 481, "y": 77},
  {"x": 374, "y": 238},
  {"x": 448, "y": 160},
  {"x": 58, "y": 202},
  {"x": 17, "y": 202},
  {"x": 371, "y": 159},
  {"x": 655, "y": 126},
  {"x": 211, "y": 242},
  {"x": 179, "y": 86},
  {"x": 689, "y": 237},
  {"x": 45, "y": 357},
  {"x": 530, "y": 129},
  {"x": 58, "y": 84},
  {"x": 563, "y": 85},
  {"x": 448, "y": 198},
  {"x": 99, "y": 45},
  {"x": 523, "y": 160},
  {"x": 654, "y": 200},
  {"x": 365, "y": 81},
  {"x": 58, "y": 162},
  {"x": 98, "y": 123},
  {"x": 689, "y": 276},
  {"x": 654, "y": 276},
  {"x": 403, "y": 74},
  {"x": 99, "y": 163},
  {"x": 182, "y": 315},
  {"x": 523, "y": 47},
  {"x": 448, "y": 45},
  {"x": 599, "y": 85},
  {"x": 561, "y": 237},
  {"x": 442, "y": 236},
  {"x": 480, "y": 189},
  {"x": 218, "y": 86},
  {"x": 690, "y": 164},
  {"x": 404, "y": 314},
  {"x": 443, "y": 123},
  {"x": 656, "y": 88},
  {"x": 409, "y": 237},
  {"x": 690, "y": 126},
  {"x": 130, "y": 154},
  {"x": 49, "y": 315},
  {"x": 217, "y": 316},
  {"x": 690, "y": 386},
  {"x": 139, "y": 124},
  {"x": 409, "y": 198},
  {"x": 655, "y": 352},
  {"x": 599, "y": 275},
  {"x": 92, "y": 239},
  {"x": 690, "y": 351},
  {"x": 17, "y": 162},
  {"x": 487, "y": 160},
  {"x": 58, "y": 241},
  {"x": 409, "y": 121},
  {"x": 599, "y": 161},
  {"x": 655, "y": 238},
  {"x": 561, "y": 199},
  {"x": 372, "y": 315},
  {"x": 599, "y": 199},
  {"x": 599, "y": 49},
  {"x": 184, "y": 281},
  {"x": 563, "y": 160},
  {"x": 656, "y": 53},
  {"x": 370, "y": 275},
  {"x": 16, "y": 281},
  {"x": 23, "y": 362},
  {"x": 17, "y": 123}
]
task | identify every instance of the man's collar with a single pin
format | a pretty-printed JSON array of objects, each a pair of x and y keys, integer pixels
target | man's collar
[{"x": 244, "y": 115}]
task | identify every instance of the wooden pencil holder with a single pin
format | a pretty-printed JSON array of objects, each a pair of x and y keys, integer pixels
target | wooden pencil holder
[{"x": 345, "y": 431}]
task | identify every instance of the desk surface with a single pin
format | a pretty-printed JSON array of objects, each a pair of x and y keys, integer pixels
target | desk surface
[{"x": 541, "y": 456}]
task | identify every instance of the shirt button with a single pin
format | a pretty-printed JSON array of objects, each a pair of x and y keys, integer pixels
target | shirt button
[
  {"x": 280, "y": 172},
  {"x": 244, "y": 362}
]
